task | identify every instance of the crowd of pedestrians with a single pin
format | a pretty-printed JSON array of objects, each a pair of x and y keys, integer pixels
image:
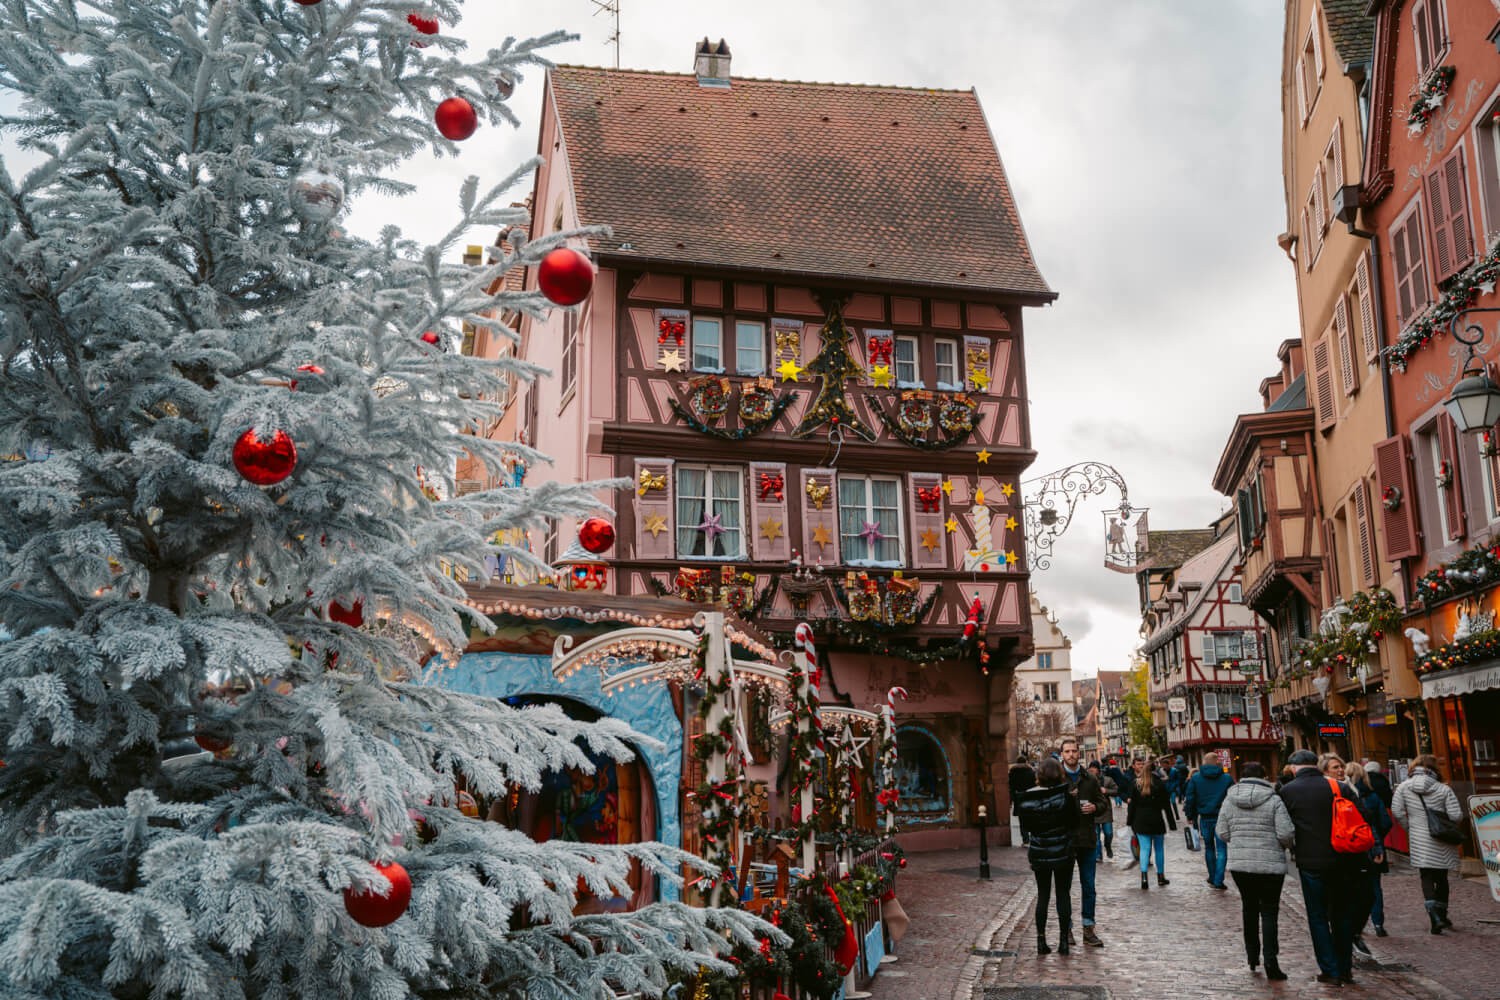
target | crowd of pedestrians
[{"x": 1332, "y": 816}]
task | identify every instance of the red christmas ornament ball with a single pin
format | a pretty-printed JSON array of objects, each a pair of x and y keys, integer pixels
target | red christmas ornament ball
[
  {"x": 309, "y": 3},
  {"x": 211, "y": 743},
  {"x": 430, "y": 338},
  {"x": 264, "y": 463},
  {"x": 901, "y": 863},
  {"x": 596, "y": 535},
  {"x": 426, "y": 25},
  {"x": 566, "y": 276},
  {"x": 456, "y": 119},
  {"x": 305, "y": 369},
  {"x": 374, "y": 910},
  {"x": 353, "y": 617}
]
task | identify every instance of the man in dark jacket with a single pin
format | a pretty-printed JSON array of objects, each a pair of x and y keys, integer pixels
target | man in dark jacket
[
  {"x": 1021, "y": 778},
  {"x": 1330, "y": 890},
  {"x": 1092, "y": 804},
  {"x": 1205, "y": 794},
  {"x": 1379, "y": 783}
]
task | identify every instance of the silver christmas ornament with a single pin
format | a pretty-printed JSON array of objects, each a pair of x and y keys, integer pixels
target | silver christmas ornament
[{"x": 316, "y": 195}]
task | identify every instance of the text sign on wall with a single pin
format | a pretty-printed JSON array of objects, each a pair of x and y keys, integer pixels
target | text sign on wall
[
  {"x": 1332, "y": 729},
  {"x": 1484, "y": 811},
  {"x": 1177, "y": 704}
]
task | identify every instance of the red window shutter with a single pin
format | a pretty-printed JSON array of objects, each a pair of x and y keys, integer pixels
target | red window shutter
[
  {"x": 1366, "y": 308},
  {"x": 1323, "y": 398},
  {"x": 769, "y": 525},
  {"x": 1456, "y": 198},
  {"x": 655, "y": 530},
  {"x": 1366, "y": 535},
  {"x": 1346, "y": 347},
  {"x": 1439, "y": 218},
  {"x": 1393, "y": 477},
  {"x": 1453, "y": 493},
  {"x": 925, "y": 496}
]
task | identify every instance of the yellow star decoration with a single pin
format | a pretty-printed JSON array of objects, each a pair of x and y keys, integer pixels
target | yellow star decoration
[
  {"x": 770, "y": 529},
  {"x": 672, "y": 361},
  {"x": 979, "y": 495},
  {"x": 930, "y": 541},
  {"x": 983, "y": 456},
  {"x": 1010, "y": 558},
  {"x": 820, "y": 536},
  {"x": 655, "y": 524},
  {"x": 789, "y": 370},
  {"x": 948, "y": 487},
  {"x": 979, "y": 377},
  {"x": 1010, "y": 524},
  {"x": 951, "y": 524},
  {"x": 1007, "y": 489},
  {"x": 881, "y": 376}
]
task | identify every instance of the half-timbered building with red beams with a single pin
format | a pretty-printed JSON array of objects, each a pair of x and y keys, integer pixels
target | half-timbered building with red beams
[
  {"x": 1202, "y": 646},
  {"x": 804, "y": 350}
]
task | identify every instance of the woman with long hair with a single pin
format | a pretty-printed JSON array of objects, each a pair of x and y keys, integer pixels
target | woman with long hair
[
  {"x": 1432, "y": 858},
  {"x": 1049, "y": 818},
  {"x": 1380, "y": 823},
  {"x": 1148, "y": 813}
]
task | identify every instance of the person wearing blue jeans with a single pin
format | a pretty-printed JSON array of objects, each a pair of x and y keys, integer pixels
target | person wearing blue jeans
[
  {"x": 1093, "y": 807},
  {"x": 1149, "y": 813},
  {"x": 1205, "y": 795},
  {"x": 1331, "y": 892}
]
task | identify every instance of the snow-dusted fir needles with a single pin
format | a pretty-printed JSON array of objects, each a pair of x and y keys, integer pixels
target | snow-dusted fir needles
[{"x": 173, "y": 278}]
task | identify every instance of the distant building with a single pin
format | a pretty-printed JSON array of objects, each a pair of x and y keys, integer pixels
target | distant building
[
  {"x": 1109, "y": 710},
  {"x": 1043, "y": 688}
]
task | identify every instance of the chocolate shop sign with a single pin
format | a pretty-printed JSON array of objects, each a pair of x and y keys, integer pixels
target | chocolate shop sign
[{"x": 1450, "y": 683}]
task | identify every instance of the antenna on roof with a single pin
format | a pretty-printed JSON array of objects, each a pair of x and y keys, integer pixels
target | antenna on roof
[{"x": 611, "y": 7}]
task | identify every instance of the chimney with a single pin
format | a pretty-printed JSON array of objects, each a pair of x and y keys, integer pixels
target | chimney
[{"x": 711, "y": 64}]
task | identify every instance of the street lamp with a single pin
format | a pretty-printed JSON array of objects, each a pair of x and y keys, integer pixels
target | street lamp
[{"x": 1474, "y": 403}]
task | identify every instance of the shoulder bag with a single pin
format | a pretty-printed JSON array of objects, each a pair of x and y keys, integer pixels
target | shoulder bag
[{"x": 1439, "y": 826}]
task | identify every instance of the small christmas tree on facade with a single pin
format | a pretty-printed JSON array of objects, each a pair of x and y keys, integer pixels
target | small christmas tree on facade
[
  {"x": 833, "y": 364},
  {"x": 223, "y": 520}
]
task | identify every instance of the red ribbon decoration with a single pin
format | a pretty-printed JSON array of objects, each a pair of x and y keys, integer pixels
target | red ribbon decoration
[
  {"x": 880, "y": 350},
  {"x": 888, "y": 797},
  {"x": 671, "y": 328},
  {"x": 772, "y": 484},
  {"x": 930, "y": 497}
]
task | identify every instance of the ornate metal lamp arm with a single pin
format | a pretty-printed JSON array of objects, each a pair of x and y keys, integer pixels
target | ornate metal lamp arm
[{"x": 1050, "y": 499}]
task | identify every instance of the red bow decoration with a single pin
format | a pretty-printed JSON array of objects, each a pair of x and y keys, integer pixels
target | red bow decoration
[
  {"x": 880, "y": 350},
  {"x": 930, "y": 497},
  {"x": 772, "y": 484},
  {"x": 671, "y": 328},
  {"x": 889, "y": 797}
]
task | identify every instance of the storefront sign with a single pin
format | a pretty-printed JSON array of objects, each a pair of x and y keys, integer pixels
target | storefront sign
[
  {"x": 1484, "y": 810},
  {"x": 1177, "y": 705},
  {"x": 1451, "y": 683},
  {"x": 1332, "y": 729}
]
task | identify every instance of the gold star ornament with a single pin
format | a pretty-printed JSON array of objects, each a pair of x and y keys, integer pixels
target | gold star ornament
[
  {"x": 655, "y": 524},
  {"x": 951, "y": 524},
  {"x": 1010, "y": 558},
  {"x": 930, "y": 540},
  {"x": 948, "y": 487},
  {"x": 881, "y": 376},
  {"x": 1007, "y": 489},
  {"x": 983, "y": 456},
  {"x": 770, "y": 529},
  {"x": 1010, "y": 524},
  {"x": 789, "y": 370},
  {"x": 672, "y": 361},
  {"x": 820, "y": 536}
]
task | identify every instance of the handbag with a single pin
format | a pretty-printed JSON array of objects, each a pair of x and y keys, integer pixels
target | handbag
[
  {"x": 1439, "y": 826},
  {"x": 1193, "y": 838}
]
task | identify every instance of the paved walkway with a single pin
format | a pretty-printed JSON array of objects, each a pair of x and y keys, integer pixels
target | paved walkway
[{"x": 974, "y": 940}]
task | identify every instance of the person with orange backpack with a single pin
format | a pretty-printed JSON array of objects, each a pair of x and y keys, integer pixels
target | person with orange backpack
[{"x": 1329, "y": 872}]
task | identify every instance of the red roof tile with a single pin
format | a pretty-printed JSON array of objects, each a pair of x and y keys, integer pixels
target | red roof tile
[{"x": 886, "y": 184}]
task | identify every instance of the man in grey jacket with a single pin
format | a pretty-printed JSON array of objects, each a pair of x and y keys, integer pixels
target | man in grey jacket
[{"x": 1257, "y": 829}]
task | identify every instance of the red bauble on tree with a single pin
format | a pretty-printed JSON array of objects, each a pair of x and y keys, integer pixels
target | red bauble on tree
[
  {"x": 426, "y": 25},
  {"x": 265, "y": 463},
  {"x": 566, "y": 277},
  {"x": 309, "y": 3},
  {"x": 353, "y": 617},
  {"x": 431, "y": 338},
  {"x": 374, "y": 910},
  {"x": 596, "y": 535},
  {"x": 211, "y": 743},
  {"x": 306, "y": 370},
  {"x": 456, "y": 119}
]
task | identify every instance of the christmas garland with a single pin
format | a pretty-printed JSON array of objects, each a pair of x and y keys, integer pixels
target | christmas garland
[
  {"x": 913, "y": 434},
  {"x": 1470, "y": 571},
  {"x": 1371, "y": 615},
  {"x": 806, "y": 743},
  {"x": 1476, "y": 648},
  {"x": 716, "y": 800},
  {"x": 881, "y": 626},
  {"x": 1429, "y": 98},
  {"x": 747, "y": 428},
  {"x": 871, "y": 639},
  {"x": 1479, "y": 278},
  {"x": 889, "y": 796},
  {"x": 803, "y": 966}
]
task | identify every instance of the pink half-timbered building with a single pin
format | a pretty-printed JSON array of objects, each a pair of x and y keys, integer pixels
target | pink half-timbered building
[
  {"x": 1205, "y": 648},
  {"x": 804, "y": 350}
]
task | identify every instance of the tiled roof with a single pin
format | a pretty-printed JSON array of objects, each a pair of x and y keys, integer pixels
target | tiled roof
[
  {"x": 887, "y": 184},
  {"x": 1353, "y": 31},
  {"x": 1113, "y": 682},
  {"x": 1293, "y": 397},
  {"x": 1170, "y": 549}
]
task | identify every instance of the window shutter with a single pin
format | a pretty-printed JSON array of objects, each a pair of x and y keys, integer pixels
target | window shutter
[
  {"x": 768, "y": 513},
  {"x": 1317, "y": 45},
  {"x": 977, "y": 361},
  {"x": 813, "y": 552},
  {"x": 1252, "y": 708},
  {"x": 1421, "y": 20},
  {"x": 1307, "y": 244},
  {"x": 1301, "y": 90},
  {"x": 1323, "y": 398},
  {"x": 925, "y": 497},
  {"x": 1439, "y": 214},
  {"x": 655, "y": 539},
  {"x": 1456, "y": 198},
  {"x": 1209, "y": 657},
  {"x": 1331, "y": 559},
  {"x": 1366, "y": 308},
  {"x": 1320, "y": 199},
  {"x": 882, "y": 344},
  {"x": 1453, "y": 493},
  {"x": 1337, "y": 180},
  {"x": 1210, "y": 706},
  {"x": 1393, "y": 472},
  {"x": 674, "y": 330},
  {"x": 1402, "y": 276},
  {"x": 1365, "y": 530},
  {"x": 1350, "y": 370}
]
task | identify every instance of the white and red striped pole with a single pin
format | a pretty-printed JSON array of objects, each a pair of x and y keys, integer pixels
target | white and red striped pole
[{"x": 807, "y": 660}]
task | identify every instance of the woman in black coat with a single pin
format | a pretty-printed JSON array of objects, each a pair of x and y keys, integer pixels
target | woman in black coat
[
  {"x": 1148, "y": 811},
  {"x": 1049, "y": 819}
]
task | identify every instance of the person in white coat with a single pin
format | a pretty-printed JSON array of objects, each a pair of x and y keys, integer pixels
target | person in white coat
[
  {"x": 1432, "y": 858},
  {"x": 1255, "y": 824}
]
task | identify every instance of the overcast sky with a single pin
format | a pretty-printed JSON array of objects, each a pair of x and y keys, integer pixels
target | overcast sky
[{"x": 1142, "y": 141}]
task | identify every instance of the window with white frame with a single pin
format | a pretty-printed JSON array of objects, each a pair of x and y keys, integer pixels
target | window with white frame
[
  {"x": 1220, "y": 647},
  {"x": 1044, "y": 661},
  {"x": 870, "y": 520},
  {"x": 1048, "y": 691},
  {"x": 1310, "y": 69},
  {"x": 749, "y": 348},
  {"x": 945, "y": 362},
  {"x": 708, "y": 344},
  {"x": 1252, "y": 708},
  {"x": 1234, "y": 706},
  {"x": 710, "y": 518},
  {"x": 1210, "y": 707},
  {"x": 908, "y": 372},
  {"x": 1427, "y": 449},
  {"x": 1236, "y": 594}
]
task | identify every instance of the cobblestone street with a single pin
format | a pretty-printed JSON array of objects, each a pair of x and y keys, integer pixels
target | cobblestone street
[{"x": 974, "y": 940}]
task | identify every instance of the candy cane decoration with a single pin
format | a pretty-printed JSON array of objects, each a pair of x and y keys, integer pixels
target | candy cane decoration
[
  {"x": 805, "y": 699},
  {"x": 889, "y": 795}
]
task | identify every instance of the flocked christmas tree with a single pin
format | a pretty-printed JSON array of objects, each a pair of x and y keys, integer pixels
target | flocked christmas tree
[{"x": 215, "y": 527}]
